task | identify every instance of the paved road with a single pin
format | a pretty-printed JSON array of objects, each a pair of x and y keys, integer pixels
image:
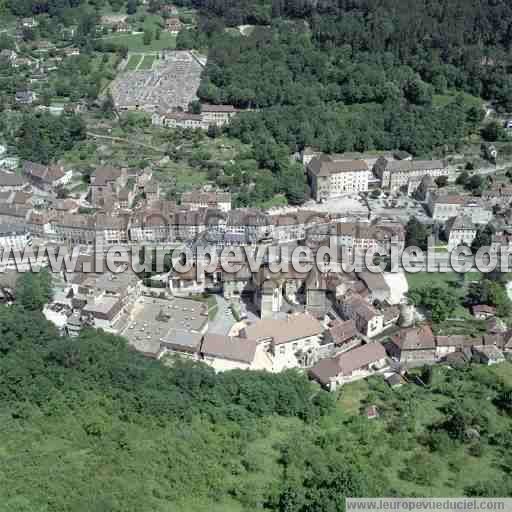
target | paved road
[{"x": 224, "y": 319}]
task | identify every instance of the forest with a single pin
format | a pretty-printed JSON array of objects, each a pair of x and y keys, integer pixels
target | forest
[
  {"x": 356, "y": 75},
  {"x": 88, "y": 424}
]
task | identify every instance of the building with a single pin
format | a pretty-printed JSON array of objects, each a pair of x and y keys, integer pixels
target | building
[
  {"x": 343, "y": 336},
  {"x": 230, "y": 353},
  {"x": 414, "y": 346},
  {"x": 29, "y": 23},
  {"x": 217, "y": 115},
  {"x": 290, "y": 343},
  {"x": 443, "y": 208},
  {"x": 44, "y": 177},
  {"x": 356, "y": 364},
  {"x": 483, "y": 311},
  {"x": 378, "y": 288},
  {"x": 396, "y": 174},
  {"x": 290, "y": 227},
  {"x": 211, "y": 115},
  {"x": 369, "y": 321},
  {"x": 197, "y": 199},
  {"x": 173, "y": 25},
  {"x": 106, "y": 182},
  {"x": 156, "y": 326},
  {"x": 25, "y": 97},
  {"x": 356, "y": 236},
  {"x": 11, "y": 182},
  {"x": 14, "y": 237},
  {"x": 498, "y": 195},
  {"x": 488, "y": 354},
  {"x": 461, "y": 231},
  {"x": 178, "y": 120},
  {"x": 332, "y": 178}
]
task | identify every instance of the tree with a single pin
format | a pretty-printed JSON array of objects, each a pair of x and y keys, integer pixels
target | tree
[
  {"x": 131, "y": 7},
  {"x": 493, "y": 132},
  {"x": 440, "y": 301},
  {"x": 147, "y": 37},
  {"x": 484, "y": 237},
  {"x": 194, "y": 107},
  {"x": 442, "y": 181},
  {"x": 462, "y": 178},
  {"x": 416, "y": 234},
  {"x": 476, "y": 184},
  {"x": 492, "y": 293},
  {"x": 108, "y": 106},
  {"x": 33, "y": 291}
]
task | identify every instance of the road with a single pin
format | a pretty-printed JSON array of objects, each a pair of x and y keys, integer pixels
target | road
[
  {"x": 119, "y": 139},
  {"x": 224, "y": 319}
]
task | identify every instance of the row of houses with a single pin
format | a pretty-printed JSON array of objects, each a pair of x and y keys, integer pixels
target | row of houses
[
  {"x": 337, "y": 174},
  {"x": 210, "y": 115},
  {"x": 410, "y": 347}
]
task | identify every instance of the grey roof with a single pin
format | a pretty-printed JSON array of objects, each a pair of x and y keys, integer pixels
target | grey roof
[
  {"x": 414, "y": 165},
  {"x": 226, "y": 347},
  {"x": 461, "y": 223},
  {"x": 11, "y": 180},
  {"x": 326, "y": 166},
  {"x": 11, "y": 229}
]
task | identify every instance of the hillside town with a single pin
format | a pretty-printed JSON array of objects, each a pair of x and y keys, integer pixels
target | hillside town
[
  {"x": 336, "y": 326},
  {"x": 255, "y": 256}
]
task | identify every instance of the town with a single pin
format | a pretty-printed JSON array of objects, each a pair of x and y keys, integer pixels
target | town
[
  {"x": 337, "y": 327},
  {"x": 255, "y": 256}
]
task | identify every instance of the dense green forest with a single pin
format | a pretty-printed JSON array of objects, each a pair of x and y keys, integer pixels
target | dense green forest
[
  {"x": 355, "y": 75},
  {"x": 89, "y": 425},
  {"x": 43, "y": 137}
]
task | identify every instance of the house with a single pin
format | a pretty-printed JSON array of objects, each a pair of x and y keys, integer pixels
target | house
[
  {"x": 25, "y": 97},
  {"x": 291, "y": 343},
  {"x": 483, "y": 311},
  {"x": 46, "y": 177},
  {"x": 197, "y": 199},
  {"x": 329, "y": 177},
  {"x": 461, "y": 231},
  {"x": 151, "y": 191},
  {"x": 293, "y": 226},
  {"x": 8, "y": 56},
  {"x": 443, "y": 208},
  {"x": 371, "y": 412},
  {"x": 230, "y": 353},
  {"x": 395, "y": 175},
  {"x": 11, "y": 182},
  {"x": 414, "y": 346},
  {"x": 378, "y": 288},
  {"x": 217, "y": 115},
  {"x": 106, "y": 183},
  {"x": 356, "y": 364},
  {"x": 446, "y": 345},
  {"x": 14, "y": 237},
  {"x": 343, "y": 336},
  {"x": 357, "y": 236},
  {"x": 369, "y": 321},
  {"x": 488, "y": 354},
  {"x": 72, "y": 51},
  {"x": 173, "y": 25},
  {"x": 178, "y": 120},
  {"x": 28, "y": 23}
]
